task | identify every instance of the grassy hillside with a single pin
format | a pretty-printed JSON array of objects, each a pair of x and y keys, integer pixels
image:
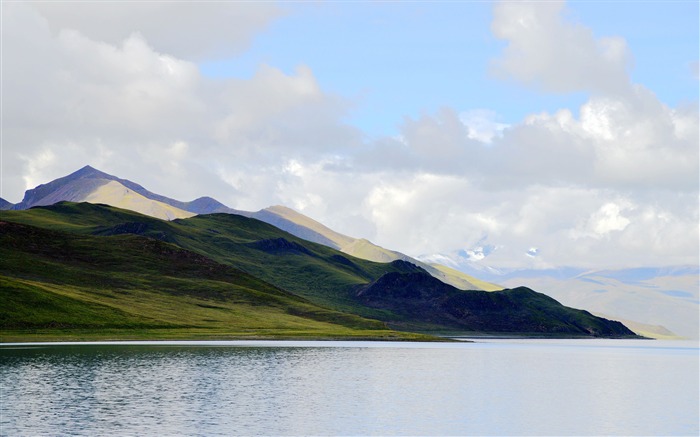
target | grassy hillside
[
  {"x": 58, "y": 285},
  {"x": 233, "y": 259},
  {"x": 316, "y": 272}
]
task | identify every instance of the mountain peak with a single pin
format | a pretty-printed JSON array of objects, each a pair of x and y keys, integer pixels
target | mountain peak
[
  {"x": 80, "y": 185},
  {"x": 69, "y": 187},
  {"x": 89, "y": 171},
  {"x": 208, "y": 205},
  {"x": 282, "y": 209}
]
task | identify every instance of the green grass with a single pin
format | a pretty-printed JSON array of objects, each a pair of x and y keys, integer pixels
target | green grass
[
  {"x": 202, "y": 334},
  {"x": 60, "y": 286},
  {"x": 322, "y": 275}
]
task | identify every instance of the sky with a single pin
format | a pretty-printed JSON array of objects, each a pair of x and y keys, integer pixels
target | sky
[{"x": 508, "y": 134}]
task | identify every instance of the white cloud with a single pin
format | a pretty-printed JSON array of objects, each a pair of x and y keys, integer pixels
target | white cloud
[
  {"x": 150, "y": 111},
  {"x": 635, "y": 143},
  {"x": 36, "y": 165},
  {"x": 605, "y": 220},
  {"x": 550, "y": 53},
  {"x": 629, "y": 144},
  {"x": 609, "y": 219},
  {"x": 183, "y": 29},
  {"x": 275, "y": 114},
  {"x": 482, "y": 124},
  {"x": 611, "y": 183}
]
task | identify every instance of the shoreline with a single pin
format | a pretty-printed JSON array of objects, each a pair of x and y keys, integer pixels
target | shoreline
[{"x": 392, "y": 336}]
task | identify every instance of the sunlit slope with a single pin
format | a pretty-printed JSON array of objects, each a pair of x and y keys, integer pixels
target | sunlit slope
[
  {"x": 465, "y": 279},
  {"x": 650, "y": 331},
  {"x": 115, "y": 194},
  {"x": 306, "y": 227},
  {"x": 86, "y": 184},
  {"x": 309, "y": 229},
  {"x": 56, "y": 284},
  {"x": 90, "y": 185}
]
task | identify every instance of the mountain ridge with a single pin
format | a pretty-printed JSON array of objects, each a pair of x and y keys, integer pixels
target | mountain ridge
[
  {"x": 655, "y": 300},
  {"x": 58, "y": 284},
  {"x": 66, "y": 188},
  {"x": 81, "y": 244},
  {"x": 430, "y": 300},
  {"x": 90, "y": 184},
  {"x": 95, "y": 186}
]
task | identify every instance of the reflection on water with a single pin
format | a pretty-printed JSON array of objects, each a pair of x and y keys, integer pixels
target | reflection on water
[{"x": 504, "y": 387}]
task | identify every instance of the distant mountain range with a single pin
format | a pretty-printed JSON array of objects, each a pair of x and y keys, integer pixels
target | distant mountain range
[
  {"x": 655, "y": 306},
  {"x": 665, "y": 298},
  {"x": 659, "y": 302},
  {"x": 91, "y": 185}
]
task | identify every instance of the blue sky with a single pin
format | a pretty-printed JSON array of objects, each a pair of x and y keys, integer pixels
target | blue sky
[
  {"x": 511, "y": 134},
  {"x": 394, "y": 60}
]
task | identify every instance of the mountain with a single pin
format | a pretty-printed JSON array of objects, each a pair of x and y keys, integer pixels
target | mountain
[
  {"x": 309, "y": 229},
  {"x": 420, "y": 297},
  {"x": 62, "y": 285},
  {"x": 91, "y": 185},
  {"x": 81, "y": 249},
  {"x": 669, "y": 308},
  {"x": 659, "y": 302},
  {"x": 4, "y": 204},
  {"x": 666, "y": 298}
]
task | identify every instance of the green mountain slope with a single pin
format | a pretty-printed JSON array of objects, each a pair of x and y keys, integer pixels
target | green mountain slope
[
  {"x": 56, "y": 284},
  {"x": 419, "y": 297},
  {"x": 311, "y": 270},
  {"x": 668, "y": 301},
  {"x": 317, "y": 274}
]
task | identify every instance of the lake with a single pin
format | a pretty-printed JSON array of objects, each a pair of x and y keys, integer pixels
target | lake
[{"x": 489, "y": 387}]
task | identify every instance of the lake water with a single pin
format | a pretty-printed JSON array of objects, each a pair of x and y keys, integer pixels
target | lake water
[{"x": 490, "y": 387}]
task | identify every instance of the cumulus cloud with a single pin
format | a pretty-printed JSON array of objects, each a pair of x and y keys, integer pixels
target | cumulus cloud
[
  {"x": 631, "y": 144},
  {"x": 580, "y": 187},
  {"x": 482, "y": 124},
  {"x": 192, "y": 30},
  {"x": 427, "y": 215},
  {"x": 611, "y": 183},
  {"x": 638, "y": 143},
  {"x": 142, "y": 113},
  {"x": 555, "y": 55},
  {"x": 623, "y": 137},
  {"x": 607, "y": 219}
]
